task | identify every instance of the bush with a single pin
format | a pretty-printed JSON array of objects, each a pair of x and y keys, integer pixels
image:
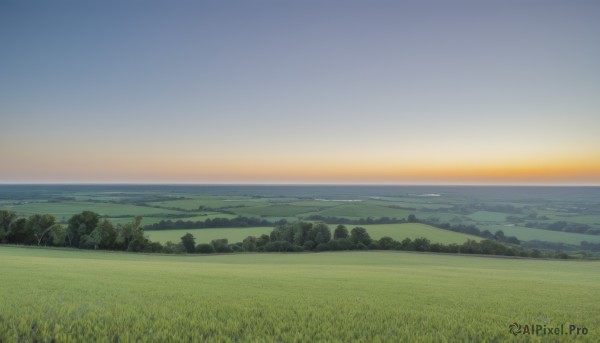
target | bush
[{"x": 205, "y": 249}]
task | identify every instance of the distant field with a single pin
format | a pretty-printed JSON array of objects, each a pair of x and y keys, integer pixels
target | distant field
[
  {"x": 528, "y": 234},
  {"x": 452, "y": 205},
  {"x": 206, "y": 235},
  {"x": 68, "y": 209},
  {"x": 273, "y": 210},
  {"x": 396, "y": 231},
  {"x": 359, "y": 210},
  {"x": 87, "y": 296},
  {"x": 216, "y": 202},
  {"x": 415, "y": 230},
  {"x": 486, "y": 216}
]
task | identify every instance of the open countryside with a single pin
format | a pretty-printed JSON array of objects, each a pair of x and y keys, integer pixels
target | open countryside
[{"x": 342, "y": 296}]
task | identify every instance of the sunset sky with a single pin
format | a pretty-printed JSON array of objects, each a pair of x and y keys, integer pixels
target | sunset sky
[{"x": 398, "y": 92}]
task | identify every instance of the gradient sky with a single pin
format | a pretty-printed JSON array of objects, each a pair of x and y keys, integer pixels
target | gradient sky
[{"x": 479, "y": 92}]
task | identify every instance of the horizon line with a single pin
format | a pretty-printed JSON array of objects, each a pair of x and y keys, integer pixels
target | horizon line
[{"x": 117, "y": 183}]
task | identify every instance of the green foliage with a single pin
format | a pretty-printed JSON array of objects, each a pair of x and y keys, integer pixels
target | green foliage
[
  {"x": 205, "y": 248},
  {"x": 221, "y": 245},
  {"x": 340, "y": 232},
  {"x": 130, "y": 237},
  {"x": 80, "y": 225},
  {"x": 359, "y": 235},
  {"x": 6, "y": 218},
  {"x": 189, "y": 243}
]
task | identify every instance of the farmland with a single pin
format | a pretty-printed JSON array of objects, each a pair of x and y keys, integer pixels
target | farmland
[
  {"x": 395, "y": 231},
  {"x": 531, "y": 214},
  {"x": 369, "y": 296}
]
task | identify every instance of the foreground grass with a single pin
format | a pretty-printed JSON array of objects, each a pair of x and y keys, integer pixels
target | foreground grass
[{"x": 345, "y": 296}]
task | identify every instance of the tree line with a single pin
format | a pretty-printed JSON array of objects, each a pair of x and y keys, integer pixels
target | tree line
[
  {"x": 306, "y": 236},
  {"x": 212, "y": 223},
  {"x": 86, "y": 230}
]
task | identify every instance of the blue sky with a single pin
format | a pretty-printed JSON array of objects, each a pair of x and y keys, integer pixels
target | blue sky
[{"x": 312, "y": 91}]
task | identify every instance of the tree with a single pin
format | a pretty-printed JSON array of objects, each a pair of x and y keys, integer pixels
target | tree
[
  {"x": 262, "y": 241},
  {"x": 319, "y": 233},
  {"x": 58, "y": 234},
  {"x": 407, "y": 245},
  {"x": 359, "y": 235},
  {"x": 6, "y": 218},
  {"x": 249, "y": 243},
  {"x": 499, "y": 235},
  {"x": 221, "y": 245},
  {"x": 411, "y": 218},
  {"x": 81, "y": 224},
  {"x": 387, "y": 243},
  {"x": 422, "y": 244},
  {"x": 40, "y": 225},
  {"x": 131, "y": 236},
  {"x": 189, "y": 243},
  {"x": 205, "y": 248},
  {"x": 18, "y": 234},
  {"x": 102, "y": 237},
  {"x": 340, "y": 232}
]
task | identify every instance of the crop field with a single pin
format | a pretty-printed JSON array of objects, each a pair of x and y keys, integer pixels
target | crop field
[
  {"x": 355, "y": 296},
  {"x": 273, "y": 210},
  {"x": 215, "y": 202},
  {"x": 486, "y": 208},
  {"x": 362, "y": 210},
  {"x": 207, "y": 235},
  {"x": 528, "y": 234},
  {"x": 487, "y": 216},
  {"x": 67, "y": 209},
  {"x": 415, "y": 230}
]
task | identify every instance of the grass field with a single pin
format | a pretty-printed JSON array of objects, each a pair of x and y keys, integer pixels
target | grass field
[
  {"x": 396, "y": 231},
  {"x": 68, "y": 209},
  {"x": 273, "y": 210},
  {"x": 360, "y": 210},
  {"x": 415, "y": 230},
  {"x": 487, "y": 216},
  {"x": 528, "y": 234},
  {"x": 214, "y": 202},
  {"x": 206, "y": 235},
  {"x": 356, "y": 296}
]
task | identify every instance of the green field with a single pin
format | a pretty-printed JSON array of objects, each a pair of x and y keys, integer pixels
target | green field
[
  {"x": 396, "y": 231},
  {"x": 206, "y": 235},
  {"x": 528, "y": 234},
  {"x": 49, "y": 294},
  {"x": 272, "y": 211},
  {"x": 360, "y": 210},
  {"x": 487, "y": 216},
  {"x": 214, "y": 202},
  {"x": 486, "y": 208},
  {"x": 415, "y": 230},
  {"x": 68, "y": 209}
]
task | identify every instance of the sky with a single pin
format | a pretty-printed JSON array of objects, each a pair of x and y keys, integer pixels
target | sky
[{"x": 368, "y": 92}]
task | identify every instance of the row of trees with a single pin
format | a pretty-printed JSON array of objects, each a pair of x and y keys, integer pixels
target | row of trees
[
  {"x": 305, "y": 236},
  {"x": 475, "y": 231},
  {"x": 84, "y": 230},
  {"x": 239, "y": 221}
]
